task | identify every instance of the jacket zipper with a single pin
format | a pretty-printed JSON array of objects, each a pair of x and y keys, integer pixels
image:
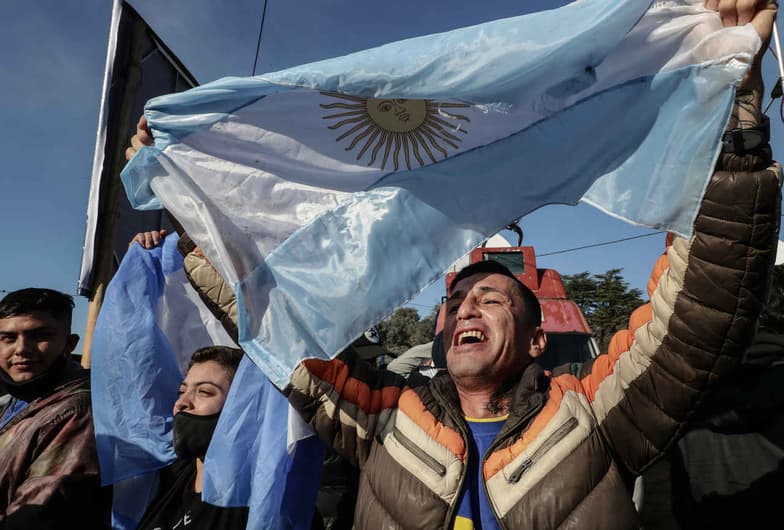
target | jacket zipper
[
  {"x": 506, "y": 429},
  {"x": 558, "y": 435},
  {"x": 462, "y": 428},
  {"x": 418, "y": 452}
]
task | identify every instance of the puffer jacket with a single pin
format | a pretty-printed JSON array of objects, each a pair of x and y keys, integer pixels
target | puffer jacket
[
  {"x": 573, "y": 443},
  {"x": 568, "y": 454}
]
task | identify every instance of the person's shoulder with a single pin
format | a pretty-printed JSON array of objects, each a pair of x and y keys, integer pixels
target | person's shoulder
[
  {"x": 71, "y": 398},
  {"x": 75, "y": 384},
  {"x": 75, "y": 375}
]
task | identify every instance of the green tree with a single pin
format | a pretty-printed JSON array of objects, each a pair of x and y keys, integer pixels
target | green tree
[
  {"x": 423, "y": 332},
  {"x": 404, "y": 329},
  {"x": 605, "y": 300}
]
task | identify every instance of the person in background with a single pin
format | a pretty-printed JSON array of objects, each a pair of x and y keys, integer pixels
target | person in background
[
  {"x": 727, "y": 471},
  {"x": 201, "y": 397},
  {"x": 49, "y": 475}
]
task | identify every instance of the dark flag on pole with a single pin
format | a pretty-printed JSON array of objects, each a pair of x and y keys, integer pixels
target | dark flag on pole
[{"x": 139, "y": 66}]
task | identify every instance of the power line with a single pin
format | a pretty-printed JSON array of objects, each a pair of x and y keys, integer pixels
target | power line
[
  {"x": 258, "y": 43},
  {"x": 425, "y": 306},
  {"x": 598, "y": 244}
]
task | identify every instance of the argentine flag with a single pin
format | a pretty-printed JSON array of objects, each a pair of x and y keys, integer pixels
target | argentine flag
[
  {"x": 150, "y": 323},
  {"x": 331, "y": 193}
]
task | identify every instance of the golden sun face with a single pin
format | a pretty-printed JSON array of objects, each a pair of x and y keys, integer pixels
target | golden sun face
[
  {"x": 398, "y": 127},
  {"x": 397, "y": 115}
]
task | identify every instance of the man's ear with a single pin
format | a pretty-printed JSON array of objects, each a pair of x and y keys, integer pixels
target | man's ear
[
  {"x": 71, "y": 342},
  {"x": 538, "y": 342}
]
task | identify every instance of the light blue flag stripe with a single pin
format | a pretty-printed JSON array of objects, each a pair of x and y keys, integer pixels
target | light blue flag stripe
[
  {"x": 639, "y": 147},
  {"x": 308, "y": 280},
  {"x": 135, "y": 376},
  {"x": 248, "y": 464},
  {"x": 134, "y": 379},
  {"x": 550, "y": 52},
  {"x": 135, "y": 373}
]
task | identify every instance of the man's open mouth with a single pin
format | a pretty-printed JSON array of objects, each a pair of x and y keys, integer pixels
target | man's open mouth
[{"x": 470, "y": 337}]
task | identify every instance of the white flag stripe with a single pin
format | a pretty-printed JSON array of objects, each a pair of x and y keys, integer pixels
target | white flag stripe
[{"x": 321, "y": 208}]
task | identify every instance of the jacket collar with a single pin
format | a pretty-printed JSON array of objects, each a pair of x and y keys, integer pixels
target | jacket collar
[
  {"x": 528, "y": 394},
  {"x": 61, "y": 372}
]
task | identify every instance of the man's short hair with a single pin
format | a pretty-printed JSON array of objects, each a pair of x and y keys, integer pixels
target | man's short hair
[
  {"x": 35, "y": 299},
  {"x": 533, "y": 309},
  {"x": 227, "y": 357}
]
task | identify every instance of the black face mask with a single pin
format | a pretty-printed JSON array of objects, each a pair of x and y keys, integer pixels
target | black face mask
[
  {"x": 38, "y": 386},
  {"x": 192, "y": 434}
]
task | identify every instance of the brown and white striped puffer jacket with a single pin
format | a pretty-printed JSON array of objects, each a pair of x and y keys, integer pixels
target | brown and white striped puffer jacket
[{"x": 573, "y": 443}]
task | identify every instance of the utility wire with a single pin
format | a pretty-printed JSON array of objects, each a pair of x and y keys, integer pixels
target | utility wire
[
  {"x": 424, "y": 306},
  {"x": 598, "y": 244},
  {"x": 258, "y": 43}
]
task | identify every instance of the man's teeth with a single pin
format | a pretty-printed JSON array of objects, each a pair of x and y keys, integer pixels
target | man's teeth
[{"x": 470, "y": 336}]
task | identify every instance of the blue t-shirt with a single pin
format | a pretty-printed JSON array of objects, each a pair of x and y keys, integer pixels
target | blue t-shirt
[
  {"x": 15, "y": 407},
  {"x": 474, "y": 511}
]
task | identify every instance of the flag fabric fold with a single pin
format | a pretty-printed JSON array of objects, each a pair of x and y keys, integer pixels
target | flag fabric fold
[
  {"x": 249, "y": 454},
  {"x": 134, "y": 379},
  {"x": 330, "y": 194},
  {"x": 150, "y": 323},
  {"x": 134, "y": 372}
]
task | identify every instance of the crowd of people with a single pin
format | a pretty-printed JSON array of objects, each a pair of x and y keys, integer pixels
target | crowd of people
[{"x": 688, "y": 397}]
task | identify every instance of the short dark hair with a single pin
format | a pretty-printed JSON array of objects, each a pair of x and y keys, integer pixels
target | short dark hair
[
  {"x": 533, "y": 308},
  {"x": 35, "y": 299},
  {"x": 227, "y": 357}
]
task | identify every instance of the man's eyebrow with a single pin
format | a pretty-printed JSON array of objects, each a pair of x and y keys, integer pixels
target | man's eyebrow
[
  {"x": 455, "y": 295},
  {"x": 487, "y": 288},
  {"x": 484, "y": 288},
  {"x": 40, "y": 329}
]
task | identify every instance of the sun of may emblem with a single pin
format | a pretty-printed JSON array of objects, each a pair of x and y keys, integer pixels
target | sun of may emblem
[{"x": 384, "y": 127}]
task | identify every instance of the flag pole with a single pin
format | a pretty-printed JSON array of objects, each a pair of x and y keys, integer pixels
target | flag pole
[
  {"x": 777, "y": 44},
  {"x": 105, "y": 262}
]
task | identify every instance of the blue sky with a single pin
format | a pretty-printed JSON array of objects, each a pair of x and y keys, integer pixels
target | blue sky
[{"x": 52, "y": 56}]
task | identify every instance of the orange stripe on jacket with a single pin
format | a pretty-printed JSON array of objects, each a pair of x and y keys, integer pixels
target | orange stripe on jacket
[
  {"x": 604, "y": 365},
  {"x": 620, "y": 343},
  {"x": 661, "y": 265},
  {"x": 639, "y": 317},
  {"x": 410, "y": 405},
  {"x": 622, "y": 340},
  {"x": 351, "y": 389},
  {"x": 502, "y": 457}
]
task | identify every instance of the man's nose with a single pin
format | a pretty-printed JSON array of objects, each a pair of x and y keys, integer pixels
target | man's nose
[
  {"x": 468, "y": 309},
  {"x": 23, "y": 344}
]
